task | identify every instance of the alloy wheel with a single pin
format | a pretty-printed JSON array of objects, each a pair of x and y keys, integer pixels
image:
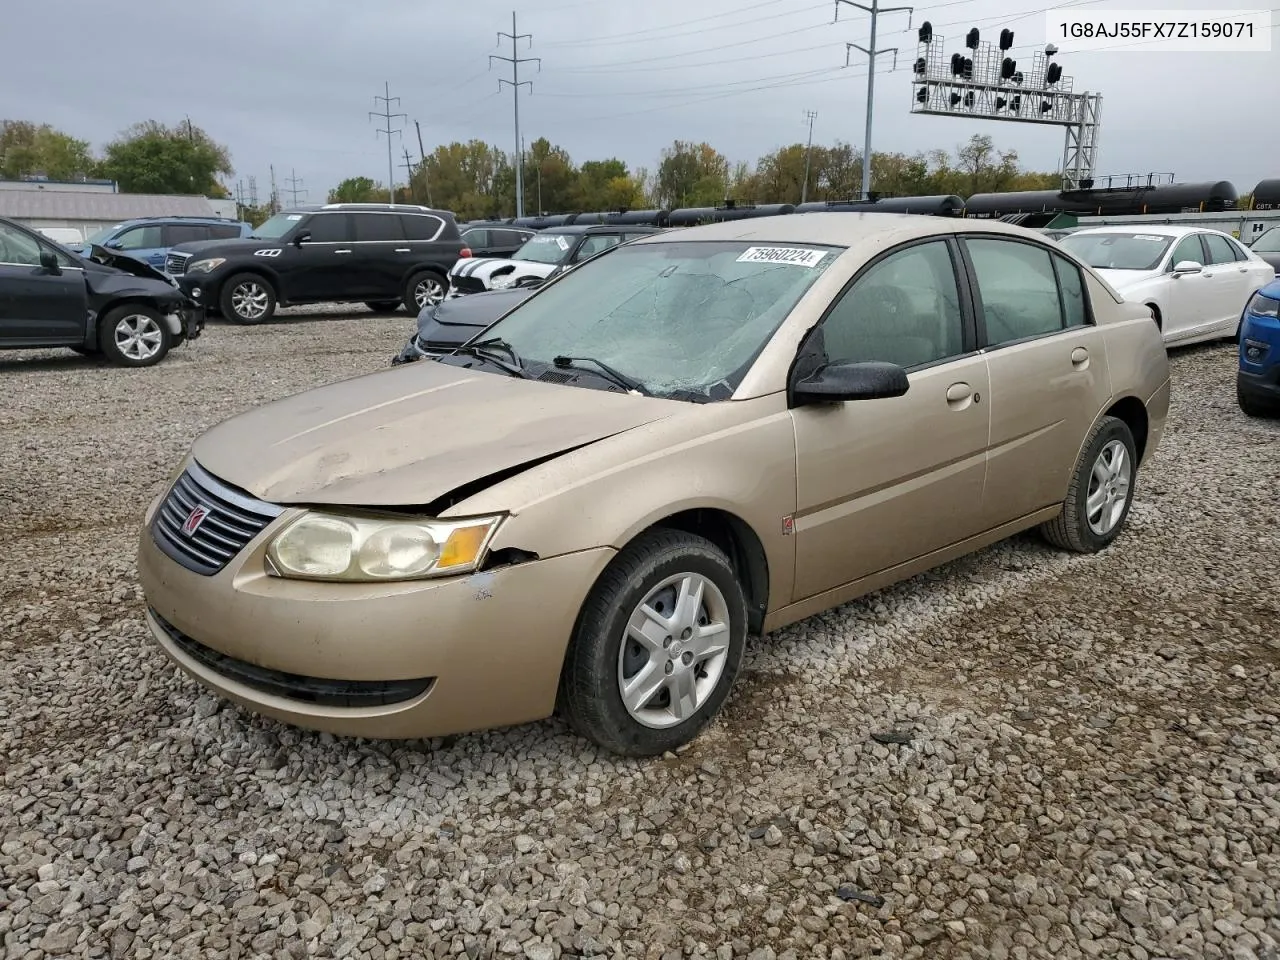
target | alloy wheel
[
  {"x": 1108, "y": 488},
  {"x": 138, "y": 337}
]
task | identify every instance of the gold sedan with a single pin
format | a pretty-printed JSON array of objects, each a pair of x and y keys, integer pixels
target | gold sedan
[{"x": 698, "y": 435}]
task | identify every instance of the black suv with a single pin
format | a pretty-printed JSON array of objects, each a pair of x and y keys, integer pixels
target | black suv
[
  {"x": 104, "y": 303},
  {"x": 371, "y": 253}
]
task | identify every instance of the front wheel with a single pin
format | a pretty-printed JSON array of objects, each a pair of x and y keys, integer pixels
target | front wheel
[
  {"x": 657, "y": 647},
  {"x": 424, "y": 289},
  {"x": 134, "y": 335},
  {"x": 247, "y": 298},
  {"x": 1100, "y": 493}
]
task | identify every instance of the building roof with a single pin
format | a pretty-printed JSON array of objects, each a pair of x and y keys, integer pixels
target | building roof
[{"x": 46, "y": 204}]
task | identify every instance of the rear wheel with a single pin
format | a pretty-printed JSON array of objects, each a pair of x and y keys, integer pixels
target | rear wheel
[
  {"x": 657, "y": 647},
  {"x": 1101, "y": 491},
  {"x": 383, "y": 306},
  {"x": 134, "y": 335},
  {"x": 247, "y": 298},
  {"x": 426, "y": 288}
]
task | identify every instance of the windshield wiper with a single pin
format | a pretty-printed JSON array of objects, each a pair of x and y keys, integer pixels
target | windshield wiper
[
  {"x": 621, "y": 379},
  {"x": 484, "y": 349}
]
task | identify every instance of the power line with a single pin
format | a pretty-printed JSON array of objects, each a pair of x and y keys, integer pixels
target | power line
[
  {"x": 609, "y": 40},
  {"x": 387, "y": 117},
  {"x": 684, "y": 91},
  {"x": 515, "y": 83}
]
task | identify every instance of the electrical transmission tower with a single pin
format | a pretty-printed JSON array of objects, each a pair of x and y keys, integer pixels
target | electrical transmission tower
[
  {"x": 387, "y": 116},
  {"x": 871, "y": 51},
  {"x": 515, "y": 83},
  {"x": 809, "y": 115},
  {"x": 253, "y": 191},
  {"x": 293, "y": 180}
]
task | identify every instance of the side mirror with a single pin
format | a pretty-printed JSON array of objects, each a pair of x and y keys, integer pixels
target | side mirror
[
  {"x": 302, "y": 238},
  {"x": 49, "y": 260},
  {"x": 1186, "y": 266},
  {"x": 113, "y": 244},
  {"x": 838, "y": 382},
  {"x": 526, "y": 282}
]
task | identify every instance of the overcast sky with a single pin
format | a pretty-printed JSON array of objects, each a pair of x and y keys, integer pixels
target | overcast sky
[{"x": 290, "y": 82}]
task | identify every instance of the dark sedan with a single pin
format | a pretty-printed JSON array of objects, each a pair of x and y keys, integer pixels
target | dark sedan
[
  {"x": 1267, "y": 246},
  {"x": 444, "y": 327}
]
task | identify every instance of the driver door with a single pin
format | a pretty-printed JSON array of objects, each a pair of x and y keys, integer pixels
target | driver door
[
  {"x": 882, "y": 482},
  {"x": 37, "y": 305}
]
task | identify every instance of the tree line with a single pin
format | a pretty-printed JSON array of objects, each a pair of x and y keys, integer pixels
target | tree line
[{"x": 477, "y": 179}]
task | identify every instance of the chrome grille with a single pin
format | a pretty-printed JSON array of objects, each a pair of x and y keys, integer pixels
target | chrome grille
[
  {"x": 231, "y": 520},
  {"x": 175, "y": 264}
]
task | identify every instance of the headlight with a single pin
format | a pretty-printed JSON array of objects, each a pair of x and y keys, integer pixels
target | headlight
[
  {"x": 323, "y": 546},
  {"x": 1261, "y": 306},
  {"x": 206, "y": 266},
  {"x": 503, "y": 282}
]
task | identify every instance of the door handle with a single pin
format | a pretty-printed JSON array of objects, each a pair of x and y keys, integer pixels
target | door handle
[
  {"x": 958, "y": 395},
  {"x": 1080, "y": 357},
  {"x": 403, "y": 250},
  {"x": 342, "y": 251},
  {"x": 1243, "y": 269}
]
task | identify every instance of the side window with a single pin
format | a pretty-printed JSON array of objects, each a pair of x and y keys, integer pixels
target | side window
[
  {"x": 176, "y": 233},
  {"x": 1018, "y": 289},
  {"x": 1072, "y": 287},
  {"x": 377, "y": 227},
  {"x": 476, "y": 238},
  {"x": 421, "y": 226},
  {"x": 221, "y": 232},
  {"x": 330, "y": 228},
  {"x": 17, "y": 247},
  {"x": 904, "y": 310},
  {"x": 1239, "y": 250},
  {"x": 141, "y": 238},
  {"x": 1219, "y": 249},
  {"x": 1188, "y": 248},
  {"x": 510, "y": 238},
  {"x": 595, "y": 244}
]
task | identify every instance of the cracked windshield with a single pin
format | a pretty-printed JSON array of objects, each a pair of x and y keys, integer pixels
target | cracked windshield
[{"x": 683, "y": 319}]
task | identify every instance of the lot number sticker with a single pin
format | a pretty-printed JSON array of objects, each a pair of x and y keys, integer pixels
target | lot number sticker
[{"x": 796, "y": 256}]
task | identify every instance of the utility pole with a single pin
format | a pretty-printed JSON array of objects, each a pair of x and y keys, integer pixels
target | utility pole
[
  {"x": 275, "y": 197},
  {"x": 387, "y": 117},
  {"x": 422, "y": 154},
  {"x": 409, "y": 166},
  {"x": 810, "y": 115},
  {"x": 515, "y": 60},
  {"x": 875, "y": 10},
  {"x": 293, "y": 180}
]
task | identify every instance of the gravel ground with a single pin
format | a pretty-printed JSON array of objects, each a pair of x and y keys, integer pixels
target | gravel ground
[{"x": 1020, "y": 755}]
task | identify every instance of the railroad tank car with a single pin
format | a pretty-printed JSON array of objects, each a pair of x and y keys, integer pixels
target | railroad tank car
[
  {"x": 1266, "y": 195},
  {"x": 692, "y": 216},
  {"x": 1210, "y": 197},
  {"x": 941, "y": 205}
]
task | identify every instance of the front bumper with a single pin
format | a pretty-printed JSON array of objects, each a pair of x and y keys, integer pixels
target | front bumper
[
  {"x": 1260, "y": 386},
  {"x": 1258, "y": 375},
  {"x": 404, "y": 660}
]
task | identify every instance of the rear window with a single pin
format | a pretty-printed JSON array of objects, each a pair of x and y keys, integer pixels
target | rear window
[{"x": 228, "y": 232}]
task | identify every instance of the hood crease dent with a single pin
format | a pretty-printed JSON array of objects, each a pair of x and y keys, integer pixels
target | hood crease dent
[{"x": 423, "y": 433}]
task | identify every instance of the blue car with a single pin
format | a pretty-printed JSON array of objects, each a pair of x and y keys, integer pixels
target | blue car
[
  {"x": 149, "y": 238},
  {"x": 1258, "y": 380}
]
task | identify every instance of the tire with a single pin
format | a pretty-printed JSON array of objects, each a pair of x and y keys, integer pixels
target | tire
[
  {"x": 425, "y": 288},
  {"x": 1073, "y": 528},
  {"x": 134, "y": 335},
  {"x": 651, "y": 570},
  {"x": 247, "y": 298},
  {"x": 383, "y": 306},
  {"x": 1253, "y": 406}
]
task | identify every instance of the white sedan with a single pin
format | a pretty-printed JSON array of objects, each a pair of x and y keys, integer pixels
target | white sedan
[{"x": 1195, "y": 281}]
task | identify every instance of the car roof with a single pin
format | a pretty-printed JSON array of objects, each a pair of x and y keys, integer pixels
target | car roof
[
  {"x": 1153, "y": 229},
  {"x": 838, "y": 229}
]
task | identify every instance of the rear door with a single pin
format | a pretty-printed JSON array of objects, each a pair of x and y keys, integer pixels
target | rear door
[
  {"x": 382, "y": 254},
  {"x": 1232, "y": 284},
  {"x": 38, "y": 306},
  {"x": 1048, "y": 367}
]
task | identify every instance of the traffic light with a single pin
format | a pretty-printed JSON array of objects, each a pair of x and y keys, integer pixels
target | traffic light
[
  {"x": 1017, "y": 103},
  {"x": 968, "y": 99},
  {"x": 1001, "y": 103},
  {"x": 1053, "y": 74},
  {"x": 957, "y": 64},
  {"x": 919, "y": 66},
  {"x": 1017, "y": 78},
  {"x": 922, "y": 95},
  {"x": 1006, "y": 39},
  {"x": 1007, "y": 68},
  {"x": 967, "y": 73},
  {"x": 955, "y": 99},
  {"x": 926, "y": 32},
  {"x": 971, "y": 39},
  {"x": 1045, "y": 106}
]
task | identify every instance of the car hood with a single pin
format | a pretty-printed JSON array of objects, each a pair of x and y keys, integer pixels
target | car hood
[
  {"x": 411, "y": 436},
  {"x": 462, "y": 316},
  {"x": 1127, "y": 279},
  {"x": 223, "y": 247},
  {"x": 125, "y": 264}
]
